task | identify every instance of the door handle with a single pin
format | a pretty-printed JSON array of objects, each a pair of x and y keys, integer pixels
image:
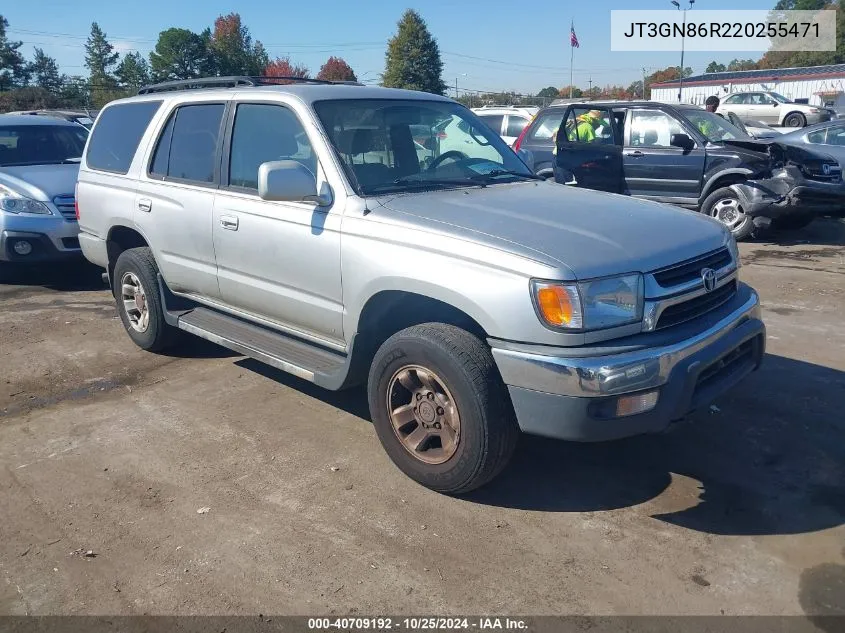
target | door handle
[
  {"x": 145, "y": 205},
  {"x": 229, "y": 222},
  {"x": 636, "y": 153}
]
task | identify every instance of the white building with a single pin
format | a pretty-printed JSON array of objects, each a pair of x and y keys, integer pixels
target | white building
[{"x": 816, "y": 85}]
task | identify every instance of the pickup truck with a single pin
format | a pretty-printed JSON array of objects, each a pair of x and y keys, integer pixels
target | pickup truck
[{"x": 299, "y": 224}]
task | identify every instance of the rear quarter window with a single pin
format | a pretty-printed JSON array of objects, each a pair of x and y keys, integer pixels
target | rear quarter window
[
  {"x": 115, "y": 138},
  {"x": 546, "y": 126}
]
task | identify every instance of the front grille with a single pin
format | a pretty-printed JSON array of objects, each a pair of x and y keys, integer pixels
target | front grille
[
  {"x": 735, "y": 361},
  {"x": 66, "y": 206},
  {"x": 690, "y": 269},
  {"x": 695, "y": 307}
]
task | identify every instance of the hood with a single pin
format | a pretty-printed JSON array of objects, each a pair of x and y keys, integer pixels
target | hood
[
  {"x": 40, "y": 182},
  {"x": 591, "y": 233}
]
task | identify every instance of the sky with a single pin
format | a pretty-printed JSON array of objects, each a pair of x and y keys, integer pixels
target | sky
[{"x": 488, "y": 45}]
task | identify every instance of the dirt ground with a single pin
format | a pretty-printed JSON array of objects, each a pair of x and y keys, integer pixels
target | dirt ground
[{"x": 109, "y": 449}]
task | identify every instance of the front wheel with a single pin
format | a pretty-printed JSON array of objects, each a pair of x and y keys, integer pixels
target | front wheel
[
  {"x": 724, "y": 205},
  {"x": 440, "y": 408},
  {"x": 795, "y": 119}
]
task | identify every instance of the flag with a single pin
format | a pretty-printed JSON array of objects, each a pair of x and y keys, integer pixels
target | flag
[{"x": 573, "y": 39}]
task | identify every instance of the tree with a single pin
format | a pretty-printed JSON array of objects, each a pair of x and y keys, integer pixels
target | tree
[
  {"x": 742, "y": 64},
  {"x": 715, "y": 67},
  {"x": 787, "y": 59},
  {"x": 667, "y": 74},
  {"x": 577, "y": 93},
  {"x": 549, "y": 92},
  {"x": 800, "y": 5},
  {"x": 45, "y": 72},
  {"x": 181, "y": 54},
  {"x": 74, "y": 92},
  {"x": 27, "y": 98},
  {"x": 233, "y": 50},
  {"x": 282, "y": 67},
  {"x": 635, "y": 90},
  {"x": 336, "y": 69},
  {"x": 133, "y": 71},
  {"x": 100, "y": 58},
  {"x": 412, "y": 59},
  {"x": 13, "y": 68}
]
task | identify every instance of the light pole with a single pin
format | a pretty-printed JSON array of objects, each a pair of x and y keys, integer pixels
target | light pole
[{"x": 683, "y": 34}]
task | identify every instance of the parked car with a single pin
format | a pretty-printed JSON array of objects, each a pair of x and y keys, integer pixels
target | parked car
[
  {"x": 295, "y": 224},
  {"x": 686, "y": 156},
  {"x": 828, "y": 137},
  {"x": 84, "y": 118},
  {"x": 507, "y": 121},
  {"x": 538, "y": 139},
  {"x": 39, "y": 162},
  {"x": 772, "y": 108}
]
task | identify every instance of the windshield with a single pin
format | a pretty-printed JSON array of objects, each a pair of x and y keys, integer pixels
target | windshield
[
  {"x": 41, "y": 144},
  {"x": 779, "y": 97},
  {"x": 714, "y": 127},
  {"x": 392, "y": 145}
]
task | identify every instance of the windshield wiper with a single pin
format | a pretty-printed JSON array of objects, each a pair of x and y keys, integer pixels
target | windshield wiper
[
  {"x": 506, "y": 172},
  {"x": 426, "y": 183}
]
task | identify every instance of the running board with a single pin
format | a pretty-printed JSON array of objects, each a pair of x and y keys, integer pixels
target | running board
[{"x": 304, "y": 360}]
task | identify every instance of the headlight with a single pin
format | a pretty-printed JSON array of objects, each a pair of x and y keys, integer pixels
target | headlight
[
  {"x": 590, "y": 305},
  {"x": 13, "y": 202}
]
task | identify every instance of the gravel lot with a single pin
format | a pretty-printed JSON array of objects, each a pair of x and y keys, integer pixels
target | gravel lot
[{"x": 106, "y": 448}]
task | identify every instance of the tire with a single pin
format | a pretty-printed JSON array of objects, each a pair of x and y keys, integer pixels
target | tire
[
  {"x": 793, "y": 222},
  {"x": 714, "y": 204},
  {"x": 795, "y": 119},
  {"x": 461, "y": 369},
  {"x": 136, "y": 267}
]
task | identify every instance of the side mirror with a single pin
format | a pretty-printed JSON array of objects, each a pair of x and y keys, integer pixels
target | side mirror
[
  {"x": 289, "y": 181},
  {"x": 776, "y": 104},
  {"x": 527, "y": 157},
  {"x": 683, "y": 141}
]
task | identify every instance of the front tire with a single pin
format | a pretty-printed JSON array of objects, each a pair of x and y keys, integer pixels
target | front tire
[
  {"x": 136, "y": 290},
  {"x": 795, "y": 119},
  {"x": 724, "y": 205},
  {"x": 440, "y": 408}
]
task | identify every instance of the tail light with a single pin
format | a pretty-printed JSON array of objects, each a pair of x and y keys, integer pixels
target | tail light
[
  {"x": 518, "y": 142},
  {"x": 76, "y": 201}
]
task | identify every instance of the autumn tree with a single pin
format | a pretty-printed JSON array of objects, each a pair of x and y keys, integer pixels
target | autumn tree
[
  {"x": 233, "y": 50},
  {"x": 282, "y": 67},
  {"x": 577, "y": 93},
  {"x": 336, "y": 69},
  {"x": 412, "y": 59},
  {"x": 13, "y": 68}
]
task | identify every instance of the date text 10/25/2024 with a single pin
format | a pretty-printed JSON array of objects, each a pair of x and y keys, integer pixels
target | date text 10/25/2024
[{"x": 416, "y": 624}]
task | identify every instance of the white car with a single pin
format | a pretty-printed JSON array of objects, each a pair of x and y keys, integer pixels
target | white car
[
  {"x": 508, "y": 122},
  {"x": 771, "y": 108}
]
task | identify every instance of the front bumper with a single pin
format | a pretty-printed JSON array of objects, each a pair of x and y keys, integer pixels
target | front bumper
[
  {"x": 566, "y": 397},
  {"x": 52, "y": 237},
  {"x": 775, "y": 198}
]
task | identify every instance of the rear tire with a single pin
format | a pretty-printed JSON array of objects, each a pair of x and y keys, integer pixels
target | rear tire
[
  {"x": 793, "y": 222},
  {"x": 795, "y": 119},
  {"x": 723, "y": 205},
  {"x": 136, "y": 290},
  {"x": 440, "y": 383}
]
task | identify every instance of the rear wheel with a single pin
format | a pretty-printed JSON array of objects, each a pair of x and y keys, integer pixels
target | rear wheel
[
  {"x": 795, "y": 119},
  {"x": 724, "y": 205},
  {"x": 139, "y": 301},
  {"x": 440, "y": 408}
]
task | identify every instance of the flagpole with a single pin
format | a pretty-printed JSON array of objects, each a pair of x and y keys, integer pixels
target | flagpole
[{"x": 571, "y": 55}]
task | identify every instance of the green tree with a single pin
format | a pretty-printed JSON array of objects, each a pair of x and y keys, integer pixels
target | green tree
[
  {"x": 550, "y": 92},
  {"x": 13, "y": 68},
  {"x": 133, "y": 71},
  {"x": 100, "y": 59},
  {"x": 181, "y": 54},
  {"x": 74, "y": 92},
  {"x": 336, "y": 69},
  {"x": 715, "y": 67},
  {"x": 577, "y": 93},
  {"x": 800, "y": 5},
  {"x": 44, "y": 72},
  {"x": 742, "y": 64},
  {"x": 233, "y": 50},
  {"x": 413, "y": 59}
]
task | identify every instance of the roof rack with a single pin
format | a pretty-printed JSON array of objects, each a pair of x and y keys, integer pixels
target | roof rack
[{"x": 234, "y": 82}]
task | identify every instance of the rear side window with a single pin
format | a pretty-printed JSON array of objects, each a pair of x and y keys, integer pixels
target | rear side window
[
  {"x": 547, "y": 125},
  {"x": 494, "y": 121},
  {"x": 116, "y": 136},
  {"x": 515, "y": 125},
  {"x": 187, "y": 147}
]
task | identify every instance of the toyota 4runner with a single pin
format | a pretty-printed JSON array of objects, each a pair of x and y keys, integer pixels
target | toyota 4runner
[{"x": 302, "y": 225}]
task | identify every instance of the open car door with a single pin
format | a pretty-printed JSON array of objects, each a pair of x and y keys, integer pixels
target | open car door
[{"x": 589, "y": 149}]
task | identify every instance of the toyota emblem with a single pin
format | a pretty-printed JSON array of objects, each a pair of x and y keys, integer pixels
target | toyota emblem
[
  {"x": 826, "y": 169},
  {"x": 708, "y": 276}
]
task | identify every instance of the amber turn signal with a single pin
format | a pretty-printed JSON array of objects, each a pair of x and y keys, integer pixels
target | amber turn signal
[{"x": 559, "y": 305}]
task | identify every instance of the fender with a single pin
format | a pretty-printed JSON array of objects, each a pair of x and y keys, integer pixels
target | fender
[{"x": 709, "y": 185}]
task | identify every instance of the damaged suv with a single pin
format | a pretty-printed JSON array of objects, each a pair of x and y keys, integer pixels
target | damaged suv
[
  {"x": 686, "y": 156},
  {"x": 304, "y": 226}
]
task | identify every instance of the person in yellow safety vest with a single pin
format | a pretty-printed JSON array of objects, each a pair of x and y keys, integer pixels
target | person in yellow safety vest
[
  {"x": 706, "y": 127},
  {"x": 585, "y": 127}
]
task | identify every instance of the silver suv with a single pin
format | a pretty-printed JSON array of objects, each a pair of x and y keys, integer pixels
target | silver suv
[
  {"x": 302, "y": 225},
  {"x": 39, "y": 162}
]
